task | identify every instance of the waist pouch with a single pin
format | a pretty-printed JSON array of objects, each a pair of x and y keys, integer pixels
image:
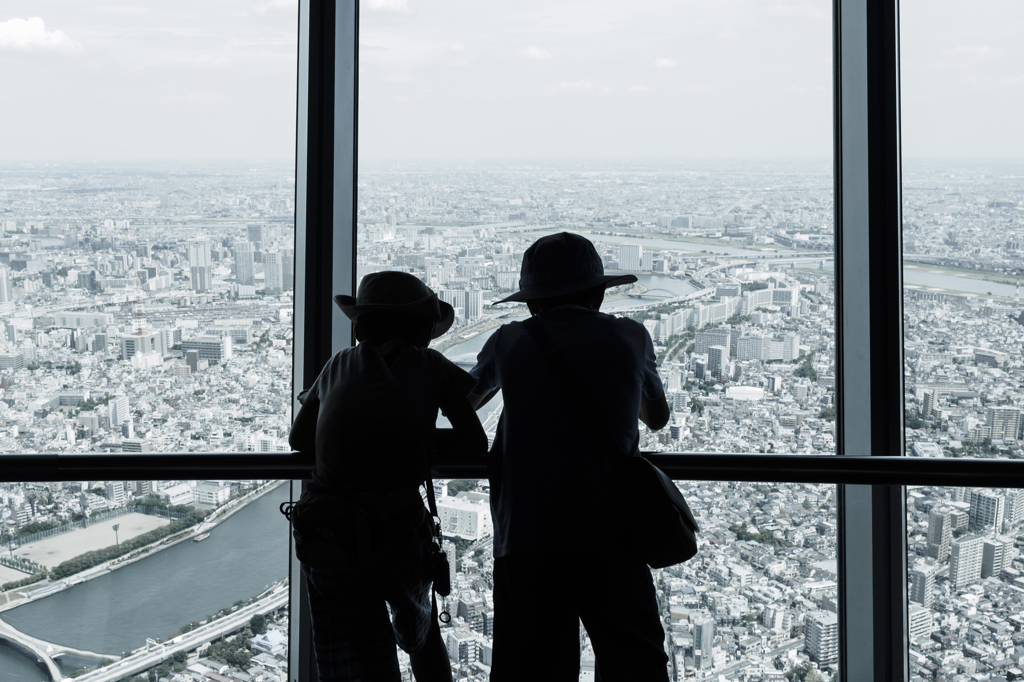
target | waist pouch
[{"x": 358, "y": 530}]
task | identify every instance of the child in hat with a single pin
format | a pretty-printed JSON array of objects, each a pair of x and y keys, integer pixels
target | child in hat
[
  {"x": 558, "y": 540},
  {"x": 370, "y": 418}
]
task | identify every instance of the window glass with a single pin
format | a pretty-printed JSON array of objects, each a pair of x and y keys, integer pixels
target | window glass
[
  {"x": 146, "y": 209},
  {"x": 964, "y": 575},
  {"x": 146, "y": 267},
  {"x": 142, "y": 579},
  {"x": 962, "y": 227},
  {"x": 760, "y": 597},
  {"x": 645, "y": 128}
]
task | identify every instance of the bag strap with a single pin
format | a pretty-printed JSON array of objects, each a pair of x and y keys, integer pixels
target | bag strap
[
  {"x": 567, "y": 379},
  {"x": 428, "y": 482}
]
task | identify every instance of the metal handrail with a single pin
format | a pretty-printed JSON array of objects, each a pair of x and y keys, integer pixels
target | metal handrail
[
  {"x": 989, "y": 473},
  {"x": 846, "y": 469}
]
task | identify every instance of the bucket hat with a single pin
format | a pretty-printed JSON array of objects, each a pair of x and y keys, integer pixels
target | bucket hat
[
  {"x": 561, "y": 264},
  {"x": 398, "y": 293}
]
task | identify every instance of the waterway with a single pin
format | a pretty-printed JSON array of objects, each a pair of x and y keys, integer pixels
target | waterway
[
  {"x": 156, "y": 596},
  {"x": 969, "y": 284},
  {"x": 19, "y": 668},
  {"x": 693, "y": 248},
  {"x": 920, "y": 276}
]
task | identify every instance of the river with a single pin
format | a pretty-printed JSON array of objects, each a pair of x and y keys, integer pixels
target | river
[
  {"x": 922, "y": 277},
  {"x": 693, "y": 248},
  {"x": 154, "y": 597}
]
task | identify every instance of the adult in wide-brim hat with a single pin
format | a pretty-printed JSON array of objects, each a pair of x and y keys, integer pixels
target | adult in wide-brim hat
[
  {"x": 561, "y": 264},
  {"x": 398, "y": 293}
]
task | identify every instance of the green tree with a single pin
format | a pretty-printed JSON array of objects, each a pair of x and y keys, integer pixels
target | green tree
[
  {"x": 258, "y": 623},
  {"x": 828, "y": 414}
]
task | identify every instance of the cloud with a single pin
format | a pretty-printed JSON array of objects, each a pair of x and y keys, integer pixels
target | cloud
[
  {"x": 288, "y": 5},
  {"x": 972, "y": 49},
  {"x": 534, "y": 52},
  {"x": 664, "y": 63},
  {"x": 575, "y": 85},
  {"x": 457, "y": 47},
  {"x": 387, "y": 6},
  {"x": 398, "y": 78},
  {"x": 639, "y": 88},
  {"x": 31, "y": 34},
  {"x": 604, "y": 90}
]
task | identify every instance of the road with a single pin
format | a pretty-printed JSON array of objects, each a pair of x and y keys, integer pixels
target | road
[{"x": 144, "y": 660}]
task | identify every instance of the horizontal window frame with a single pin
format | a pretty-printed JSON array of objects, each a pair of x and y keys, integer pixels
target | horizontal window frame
[{"x": 681, "y": 466}]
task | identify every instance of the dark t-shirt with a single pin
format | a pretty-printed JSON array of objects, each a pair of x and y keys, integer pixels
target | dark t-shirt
[
  {"x": 367, "y": 438},
  {"x": 546, "y": 466}
]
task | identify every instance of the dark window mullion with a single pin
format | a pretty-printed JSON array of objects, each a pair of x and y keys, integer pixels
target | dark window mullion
[{"x": 869, "y": 322}]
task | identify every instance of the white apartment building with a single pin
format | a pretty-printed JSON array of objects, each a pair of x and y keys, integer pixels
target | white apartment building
[{"x": 465, "y": 517}]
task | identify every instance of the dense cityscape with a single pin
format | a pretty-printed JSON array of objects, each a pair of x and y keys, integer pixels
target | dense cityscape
[{"x": 149, "y": 309}]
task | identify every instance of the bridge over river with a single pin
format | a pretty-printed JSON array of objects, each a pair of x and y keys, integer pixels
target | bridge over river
[{"x": 44, "y": 652}]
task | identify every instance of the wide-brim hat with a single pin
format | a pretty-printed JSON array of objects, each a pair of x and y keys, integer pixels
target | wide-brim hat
[
  {"x": 398, "y": 293},
  {"x": 561, "y": 264}
]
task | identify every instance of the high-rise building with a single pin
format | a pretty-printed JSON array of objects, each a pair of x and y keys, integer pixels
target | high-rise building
[
  {"x": 995, "y": 556},
  {"x": 118, "y": 407},
  {"x": 630, "y": 257},
  {"x": 821, "y": 637},
  {"x": 703, "y": 643},
  {"x": 791, "y": 347},
  {"x": 201, "y": 263},
  {"x": 245, "y": 263},
  {"x": 1013, "y": 508},
  {"x": 258, "y": 235},
  {"x": 1002, "y": 422},
  {"x": 987, "y": 509},
  {"x": 474, "y": 304},
  {"x": 288, "y": 269},
  {"x": 6, "y": 293},
  {"x": 718, "y": 356},
  {"x": 919, "y": 622},
  {"x": 273, "y": 273},
  {"x": 965, "y": 560},
  {"x": 940, "y": 533},
  {"x": 715, "y": 337},
  {"x": 930, "y": 404},
  {"x": 922, "y": 585}
]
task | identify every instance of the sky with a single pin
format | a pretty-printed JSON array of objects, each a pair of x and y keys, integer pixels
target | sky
[{"x": 462, "y": 79}]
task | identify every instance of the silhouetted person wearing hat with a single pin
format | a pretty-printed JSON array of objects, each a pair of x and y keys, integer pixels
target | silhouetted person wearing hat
[
  {"x": 561, "y": 553},
  {"x": 370, "y": 419}
]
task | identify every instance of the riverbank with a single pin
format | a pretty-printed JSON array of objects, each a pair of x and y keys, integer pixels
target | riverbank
[
  {"x": 961, "y": 272},
  {"x": 41, "y": 590}
]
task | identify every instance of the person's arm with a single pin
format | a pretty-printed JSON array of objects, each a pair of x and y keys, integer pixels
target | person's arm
[
  {"x": 654, "y": 413},
  {"x": 466, "y": 437},
  {"x": 484, "y": 373},
  {"x": 478, "y": 401},
  {"x": 302, "y": 437}
]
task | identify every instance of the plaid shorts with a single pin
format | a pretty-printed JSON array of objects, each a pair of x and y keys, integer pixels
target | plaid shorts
[{"x": 353, "y": 634}]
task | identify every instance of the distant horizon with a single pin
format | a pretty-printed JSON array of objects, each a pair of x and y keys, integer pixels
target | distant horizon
[{"x": 10, "y": 166}]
